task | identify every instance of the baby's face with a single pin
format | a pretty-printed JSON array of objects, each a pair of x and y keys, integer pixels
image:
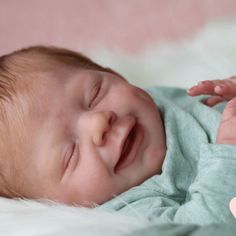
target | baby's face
[{"x": 93, "y": 136}]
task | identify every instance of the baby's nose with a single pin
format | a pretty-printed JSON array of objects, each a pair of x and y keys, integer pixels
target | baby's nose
[{"x": 102, "y": 123}]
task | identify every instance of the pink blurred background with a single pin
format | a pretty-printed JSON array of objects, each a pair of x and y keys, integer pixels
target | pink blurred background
[{"x": 125, "y": 25}]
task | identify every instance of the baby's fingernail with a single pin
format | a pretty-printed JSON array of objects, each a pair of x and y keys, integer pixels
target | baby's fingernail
[{"x": 219, "y": 88}]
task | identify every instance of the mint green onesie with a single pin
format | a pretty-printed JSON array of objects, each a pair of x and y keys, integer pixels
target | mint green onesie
[{"x": 198, "y": 177}]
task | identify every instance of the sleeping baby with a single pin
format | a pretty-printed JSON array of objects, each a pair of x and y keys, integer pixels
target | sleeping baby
[{"x": 78, "y": 133}]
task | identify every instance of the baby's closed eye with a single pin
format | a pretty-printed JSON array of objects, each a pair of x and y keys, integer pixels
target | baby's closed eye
[{"x": 70, "y": 158}]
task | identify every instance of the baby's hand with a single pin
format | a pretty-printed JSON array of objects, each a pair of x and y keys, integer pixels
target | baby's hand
[
  {"x": 221, "y": 90},
  {"x": 227, "y": 129}
]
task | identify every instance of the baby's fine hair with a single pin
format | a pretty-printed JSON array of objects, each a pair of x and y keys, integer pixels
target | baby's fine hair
[{"x": 17, "y": 69}]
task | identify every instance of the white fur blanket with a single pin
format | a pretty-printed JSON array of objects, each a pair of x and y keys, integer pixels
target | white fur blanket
[{"x": 209, "y": 55}]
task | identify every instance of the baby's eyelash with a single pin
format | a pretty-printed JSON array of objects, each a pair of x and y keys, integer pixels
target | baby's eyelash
[
  {"x": 95, "y": 93},
  {"x": 71, "y": 155}
]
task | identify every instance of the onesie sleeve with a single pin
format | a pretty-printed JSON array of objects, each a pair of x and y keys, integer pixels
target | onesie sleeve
[{"x": 208, "y": 197}]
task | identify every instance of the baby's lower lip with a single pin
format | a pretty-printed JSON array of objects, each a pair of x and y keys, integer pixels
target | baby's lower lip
[{"x": 133, "y": 153}]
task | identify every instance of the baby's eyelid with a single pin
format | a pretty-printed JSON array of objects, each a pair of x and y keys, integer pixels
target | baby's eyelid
[
  {"x": 95, "y": 93},
  {"x": 69, "y": 157}
]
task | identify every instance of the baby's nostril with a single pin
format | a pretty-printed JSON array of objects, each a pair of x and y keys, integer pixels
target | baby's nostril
[
  {"x": 112, "y": 118},
  {"x": 103, "y": 136}
]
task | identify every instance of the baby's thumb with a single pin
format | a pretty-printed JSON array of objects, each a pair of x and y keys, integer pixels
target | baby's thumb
[{"x": 230, "y": 110}]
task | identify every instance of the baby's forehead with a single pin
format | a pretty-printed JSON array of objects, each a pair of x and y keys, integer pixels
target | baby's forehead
[
  {"x": 35, "y": 98},
  {"x": 45, "y": 88}
]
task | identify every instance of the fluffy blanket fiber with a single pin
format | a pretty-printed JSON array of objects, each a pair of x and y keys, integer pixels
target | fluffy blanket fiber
[{"x": 211, "y": 54}]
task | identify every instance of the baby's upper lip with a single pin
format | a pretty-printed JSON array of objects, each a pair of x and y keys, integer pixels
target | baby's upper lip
[{"x": 128, "y": 126}]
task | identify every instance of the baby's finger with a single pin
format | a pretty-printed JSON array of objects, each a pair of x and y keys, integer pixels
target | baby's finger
[
  {"x": 232, "y": 79},
  {"x": 230, "y": 110},
  {"x": 203, "y": 87},
  {"x": 227, "y": 90},
  {"x": 212, "y": 101}
]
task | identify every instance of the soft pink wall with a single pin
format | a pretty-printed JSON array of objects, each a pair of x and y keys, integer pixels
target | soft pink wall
[{"x": 127, "y": 25}]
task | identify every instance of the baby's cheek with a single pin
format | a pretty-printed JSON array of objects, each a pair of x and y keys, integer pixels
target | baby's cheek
[
  {"x": 98, "y": 188},
  {"x": 154, "y": 159}
]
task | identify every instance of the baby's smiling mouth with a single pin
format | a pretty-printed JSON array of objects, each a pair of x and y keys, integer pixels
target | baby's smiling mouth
[{"x": 127, "y": 156}]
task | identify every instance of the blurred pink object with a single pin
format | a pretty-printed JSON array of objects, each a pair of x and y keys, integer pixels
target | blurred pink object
[
  {"x": 123, "y": 25},
  {"x": 232, "y": 206}
]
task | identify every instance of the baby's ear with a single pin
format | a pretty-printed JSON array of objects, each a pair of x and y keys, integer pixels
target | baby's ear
[
  {"x": 115, "y": 73},
  {"x": 232, "y": 206}
]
